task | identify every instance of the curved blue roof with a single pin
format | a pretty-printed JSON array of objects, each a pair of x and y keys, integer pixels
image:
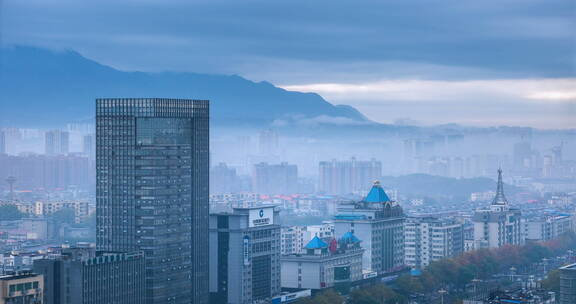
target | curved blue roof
[
  {"x": 350, "y": 237},
  {"x": 377, "y": 194},
  {"x": 316, "y": 243}
]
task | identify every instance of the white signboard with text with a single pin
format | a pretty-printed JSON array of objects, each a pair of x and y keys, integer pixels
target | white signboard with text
[{"x": 261, "y": 217}]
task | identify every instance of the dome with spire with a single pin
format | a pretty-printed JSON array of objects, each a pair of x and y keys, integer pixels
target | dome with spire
[
  {"x": 499, "y": 198},
  {"x": 349, "y": 237}
]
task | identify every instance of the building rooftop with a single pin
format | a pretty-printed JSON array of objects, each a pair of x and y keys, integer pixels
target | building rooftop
[
  {"x": 500, "y": 199},
  {"x": 17, "y": 276},
  {"x": 569, "y": 267},
  {"x": 349, "y": 237},
  {"x": 316, "y": 243},
  {"x": 377, "y": 194}
]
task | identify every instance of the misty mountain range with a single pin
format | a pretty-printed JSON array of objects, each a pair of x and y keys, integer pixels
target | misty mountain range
[{"x": 43, "y": 88}]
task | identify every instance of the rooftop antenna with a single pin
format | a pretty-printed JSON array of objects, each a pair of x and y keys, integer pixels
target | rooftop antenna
[{"x": 11, "y": 180}]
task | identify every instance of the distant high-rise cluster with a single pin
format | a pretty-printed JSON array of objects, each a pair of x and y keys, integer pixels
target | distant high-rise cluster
[
  {"x": 275, "y": 178},
  {"x": 345, "y": 177},
  {"x": 47, "y": 172}
]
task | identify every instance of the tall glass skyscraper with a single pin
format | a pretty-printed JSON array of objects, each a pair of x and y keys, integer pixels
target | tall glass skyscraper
[{"x": 152, "y": 191}]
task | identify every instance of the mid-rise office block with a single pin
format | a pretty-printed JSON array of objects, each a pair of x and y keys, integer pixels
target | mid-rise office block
[
  {"x": 22, "y": 288},
  {"x": 152, "y": 191},
  {"x": 428, "y": 239},
  {"x": 324, "y": 264},
  {"x": 379, "y": 223},
  {"x": 245, "y": 251},
  {"x": 295, "y": 237},
  {"x": 292, "y": 239},
  {"x": 82, "y": 276},
  {"x": 568, "y": 284},
  {"x": 499, "y": 224},
  {"x": 546, "y": 228}
]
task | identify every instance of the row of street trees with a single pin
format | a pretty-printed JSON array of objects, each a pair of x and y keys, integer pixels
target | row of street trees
[{"x": 454, "y": 273}]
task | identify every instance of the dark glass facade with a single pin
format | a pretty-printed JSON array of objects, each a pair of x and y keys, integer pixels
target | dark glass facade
[
  {"x": 152, "y": 191},
  {"x": 108, "y": 278}
]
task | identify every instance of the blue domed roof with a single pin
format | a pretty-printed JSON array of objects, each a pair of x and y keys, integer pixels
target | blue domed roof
[
  {"x": 377, "y": 194},
  {"x": 316, "y": 243},
  {"x": 349, "y": 237}
]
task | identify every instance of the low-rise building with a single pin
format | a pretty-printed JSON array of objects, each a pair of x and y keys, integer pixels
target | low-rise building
[
  {"x": 324, "y": 264},
  {"x": 547, "y": 227},
  {"x": 294, "y": 237},
  {"x": 25, "y": 288},
  {"x": 84, "y": 276}
]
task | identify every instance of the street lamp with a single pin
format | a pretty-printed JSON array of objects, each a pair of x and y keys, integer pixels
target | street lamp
[{"x": 442, "y": 292}]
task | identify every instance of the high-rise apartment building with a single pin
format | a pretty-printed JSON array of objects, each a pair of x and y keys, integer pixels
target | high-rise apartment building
[
  {"x": 2, "y": 142},
  {"x": 223, "y": 179},
  {"x": 245, "y": 255},
  {"x": 499, "y": 224},
  {"x": 275, "y": 179},
  {"x": 152, "y": 191},
  {"x": 379, "y": 223},
  {"x": 344, "y": 177},
  {"x": 268, "y": 142},
  {"x": 88, "y": 145},
  {"x": 57, "y": 142},
  {"x": 428, "y": 239}
]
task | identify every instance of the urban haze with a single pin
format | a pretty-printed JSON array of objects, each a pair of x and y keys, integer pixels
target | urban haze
[{"x": 306, "y": 152}]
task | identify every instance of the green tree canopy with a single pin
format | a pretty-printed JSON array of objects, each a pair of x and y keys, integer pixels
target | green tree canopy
[
  {"x": 328, "y": 296},
  {"x": 10, "y": 213},
  {"x": 64, "y": 216}
]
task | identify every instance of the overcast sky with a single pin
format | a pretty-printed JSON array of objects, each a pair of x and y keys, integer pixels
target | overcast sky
[{"x": 502, "y": 62}]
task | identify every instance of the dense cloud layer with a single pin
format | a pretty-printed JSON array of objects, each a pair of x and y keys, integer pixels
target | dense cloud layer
[{"x": 316, "y": 42}]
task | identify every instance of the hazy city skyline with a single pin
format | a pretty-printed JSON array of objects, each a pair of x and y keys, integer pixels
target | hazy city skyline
[{"x": 287, "y": 152}]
